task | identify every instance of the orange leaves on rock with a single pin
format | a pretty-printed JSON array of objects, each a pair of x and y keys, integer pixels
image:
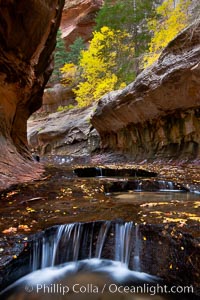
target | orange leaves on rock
[
  {"x": 152, "y": 204},
  {"x": 11, "y": 193},
  {"x": 15, "y": 229},
  {"x": 10, "y": 230},
  {"x": 24, "y": 228}
]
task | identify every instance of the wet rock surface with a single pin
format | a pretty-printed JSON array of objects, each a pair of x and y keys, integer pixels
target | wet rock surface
[
  {"x": 26, "y": 64},
  {"x": 157, "y": 116},
  {"x": 147, "y": 185},
  {"x": 106, "y": 172},
  {"x": 161, "y": 250},
  {"x": 61, "y": 197},
  {"x": 15, "y": 256}
]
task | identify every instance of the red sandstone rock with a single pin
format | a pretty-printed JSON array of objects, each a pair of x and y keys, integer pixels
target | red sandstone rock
[
  {"x": 27, "y": 37},
  {"x": 78, "y": 19}
]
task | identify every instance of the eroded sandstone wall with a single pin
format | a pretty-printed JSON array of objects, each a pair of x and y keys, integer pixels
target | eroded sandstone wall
[
  {"x": 157, "y": 115},
  {"x": 78, "y": 19},
  {"x": 27, "y": 38}
]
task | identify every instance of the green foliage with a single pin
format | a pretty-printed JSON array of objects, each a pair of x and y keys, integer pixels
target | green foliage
[
  {"x": 62, "y": 56},
  {"x": 169, "y": 22},
  {"x": 75, "y": 49},
  {"x": 59, "y": 58},
  {"x": 99, "y": 66},
  {"x": 130, "y": 16},
  {"x": 65, "y": 108}
]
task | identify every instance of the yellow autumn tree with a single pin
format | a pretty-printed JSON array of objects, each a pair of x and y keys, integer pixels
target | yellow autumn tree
[
  {"x": 99, "y": 67},
  {"x": 172, "y": 18},
  {"x": 69, "y": 74}
]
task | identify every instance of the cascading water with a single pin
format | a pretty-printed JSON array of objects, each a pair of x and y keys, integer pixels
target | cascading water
[
  {"x": 99, "y": 172},
  {"x": 101, "y": 238},
  {"x": 49, "y": 250},
  {"x": 139, "y": 186},
  {"x": 89, "y": 255},
  {"x": 73, "y": 241},
  {"x": 136, "y": 258},
  {"x": 123, "y": 242},
  {"x": 166, "y": 186}
]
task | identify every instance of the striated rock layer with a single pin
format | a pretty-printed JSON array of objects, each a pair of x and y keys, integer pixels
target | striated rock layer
[
  {"x": 27, "y": 37},
  {"x": 158, "y": 115},
  {"x": 78, "y": 19},
  {"x": 64, "y": 133}
]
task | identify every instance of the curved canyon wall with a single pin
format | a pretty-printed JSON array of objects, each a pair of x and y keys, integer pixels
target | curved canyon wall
[
  {"x": 78, "y": 19},
  {"x": 158, "y": 115},
  {"x": 27, "y": 37}
]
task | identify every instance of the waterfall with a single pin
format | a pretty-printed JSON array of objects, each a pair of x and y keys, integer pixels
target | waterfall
[
  {"x": 71, "y": 242},
  {"x": 167, "y": 186},
  {"x": 136, "y": 258},
  {"x": 46, "y": 249},
  {"x": 171, "y": 185},
  {"x": 139, "y": 186},
  {"x": 101, "y": 238},
  {"x": 123, "y": 242},
  {"x": 99, "y": 172}
]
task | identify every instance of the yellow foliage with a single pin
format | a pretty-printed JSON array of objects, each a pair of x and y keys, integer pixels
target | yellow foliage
[
  {"x": 69, "y": 71},
  {"x": 172, "y": 21},
  {"x": 97, "y": 65},
  {"x": 122, "y": 85}
]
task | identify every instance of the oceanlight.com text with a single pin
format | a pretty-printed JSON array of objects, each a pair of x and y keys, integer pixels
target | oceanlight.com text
[{"x": 90, "y": 288}]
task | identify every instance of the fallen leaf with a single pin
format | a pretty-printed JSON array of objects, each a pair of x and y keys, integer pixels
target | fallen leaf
[
  {"x": 10, "y": 230},
  {"x": 24, "y": 227},
  {"x": 29, "y": 209}
]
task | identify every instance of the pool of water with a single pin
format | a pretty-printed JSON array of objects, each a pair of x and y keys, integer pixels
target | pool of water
[
  {"x": 61, "y": 197},
  {"x": 91, "y": 279}
]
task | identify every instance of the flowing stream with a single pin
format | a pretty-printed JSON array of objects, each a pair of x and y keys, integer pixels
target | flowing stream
[
  {"x": 82, "y": 261},
  {"x": 101, "y": 253}
]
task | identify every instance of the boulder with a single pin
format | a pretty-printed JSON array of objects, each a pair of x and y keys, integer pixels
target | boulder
[
  {"x": 27, "y": 36},
  {"x": 56, "y": 96},
  {"x": 64, "y": 133},
  {"x": 158, "y": 115}
]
